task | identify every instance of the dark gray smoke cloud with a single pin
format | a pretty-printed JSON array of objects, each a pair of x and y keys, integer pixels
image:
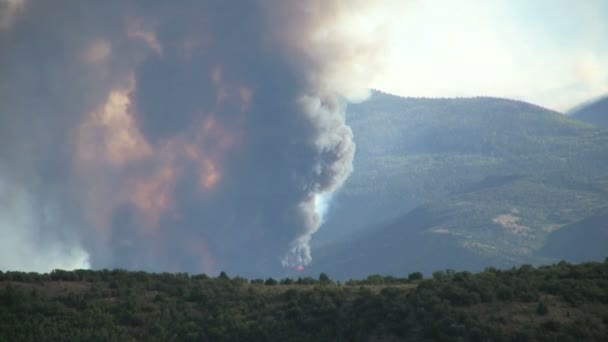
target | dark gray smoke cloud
[{"x": 163, "y": 136}]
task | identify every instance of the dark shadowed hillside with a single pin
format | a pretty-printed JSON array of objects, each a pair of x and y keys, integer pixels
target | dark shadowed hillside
[
  {"x": 462, "y": 183},
  {"x": 595, "y": 112},
  {"x": 583, "y": 240}
]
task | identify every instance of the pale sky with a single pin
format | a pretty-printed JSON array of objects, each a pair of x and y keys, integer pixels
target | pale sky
[{"x": 549, "y": 52}]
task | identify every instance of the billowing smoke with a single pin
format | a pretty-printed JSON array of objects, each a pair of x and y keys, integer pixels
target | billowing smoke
[
  {"x": 8, "y": 10},
  {"x": 163, "y": 136}
]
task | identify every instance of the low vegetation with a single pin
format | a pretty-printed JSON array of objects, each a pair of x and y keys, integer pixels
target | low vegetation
[{"x": 563, "y": 302}]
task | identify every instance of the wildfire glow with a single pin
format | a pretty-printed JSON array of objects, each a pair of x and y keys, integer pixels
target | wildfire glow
[
  {"x": 110, "y": 134},
  {"x": 246, "y": 95},
  {"x": 210, "y": 175},
  {"x": 98, "y": 52},
  {"x": 153, "y": 196}
]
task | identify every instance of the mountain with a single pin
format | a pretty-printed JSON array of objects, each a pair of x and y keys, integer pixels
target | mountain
[
  {"x": 462, "y": 183},
  {"x": 595, "y": 112},
  {"x": 591, "y": 233}
]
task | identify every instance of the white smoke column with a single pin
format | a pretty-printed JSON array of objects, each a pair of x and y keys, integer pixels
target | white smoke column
[
  {"x": 340, "y": 54},
  {"x": 333, "y": 165},
  {"x": 322, "y": 203},
  {"x": 24, "y": 244}
]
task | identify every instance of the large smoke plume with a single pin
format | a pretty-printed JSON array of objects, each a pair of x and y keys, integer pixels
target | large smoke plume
[{"x": 191, "y": 136}]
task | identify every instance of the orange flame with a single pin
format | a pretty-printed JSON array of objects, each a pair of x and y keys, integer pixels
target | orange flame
[
  {"x": 110, "y": 149},
  {"x": 210, "y": 175},
  {"x": 153, "y": 196},
  {"x": 110, "y": 135}
]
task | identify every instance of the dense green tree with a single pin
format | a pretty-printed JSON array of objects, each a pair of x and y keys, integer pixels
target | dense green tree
[
  {"x": 542, "y": 308},
  {"x": 286, "y": 281},
  {"x": 324, "y": 279},
  {"x": 415, "y": 276},
  {"x": 270, "y": 282},
  {"x": 494, "y": 305}
]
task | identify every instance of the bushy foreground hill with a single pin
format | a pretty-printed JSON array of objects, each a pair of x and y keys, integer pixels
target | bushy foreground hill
[
  {"x": 563, "y": 302},
  {"x": 465, "y": 183}
]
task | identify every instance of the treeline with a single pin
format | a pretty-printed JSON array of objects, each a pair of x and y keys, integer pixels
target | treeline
[
  {"x": 563, "y": 302},
  {"x": 121, "y": 275}
]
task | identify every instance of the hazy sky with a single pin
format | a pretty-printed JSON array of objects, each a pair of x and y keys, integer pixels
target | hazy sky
[{"x": 550, "y": 52}]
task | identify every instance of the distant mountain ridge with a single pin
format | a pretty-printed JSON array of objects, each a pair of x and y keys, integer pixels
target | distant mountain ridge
[
  {"x": 595, "y": 112},
  {"x": 461, "y": 183}
]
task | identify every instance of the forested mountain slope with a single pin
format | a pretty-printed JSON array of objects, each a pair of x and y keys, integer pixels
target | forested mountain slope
[{"x": 462, "y": 183}]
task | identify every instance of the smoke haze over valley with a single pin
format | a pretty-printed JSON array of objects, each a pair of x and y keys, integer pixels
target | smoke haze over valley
[
  {"x": 243, "y": 136},
  {"x": 194, "y": 137}
]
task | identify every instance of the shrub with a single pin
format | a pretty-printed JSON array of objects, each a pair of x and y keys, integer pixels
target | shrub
[
  {"x": 324, "y": 279},
  {"x": 270, "y": 282},
  {"x": 542, "y": 309},
  {"x": 415, "y": 276},
  {"x": 286, "y": 281}
]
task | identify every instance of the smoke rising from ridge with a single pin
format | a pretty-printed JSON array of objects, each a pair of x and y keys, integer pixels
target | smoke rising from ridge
[{"x": 179, "y": 137}]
